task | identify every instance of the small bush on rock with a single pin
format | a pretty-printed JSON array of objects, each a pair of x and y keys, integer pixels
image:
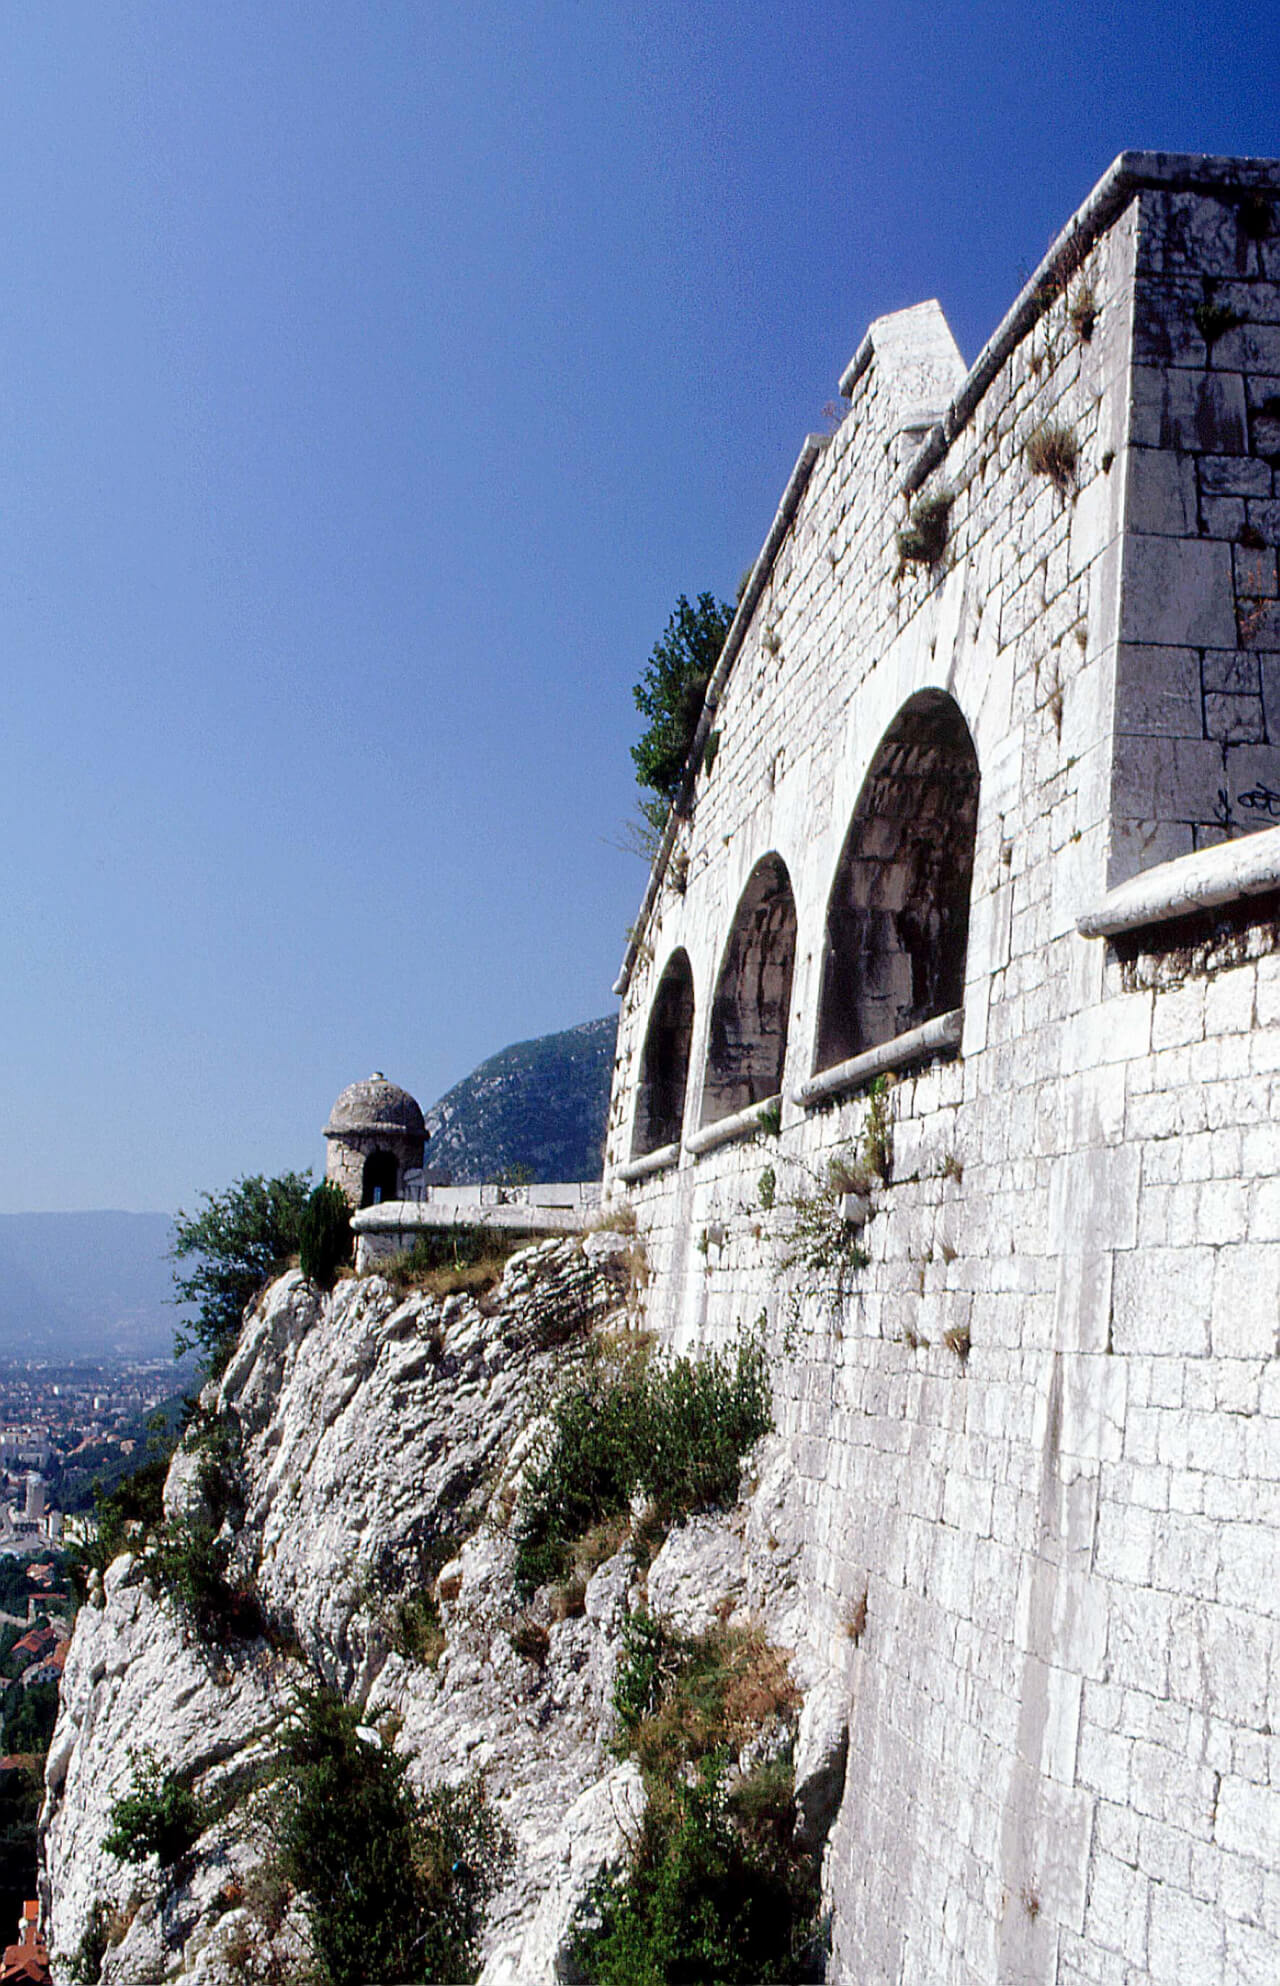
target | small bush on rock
[
  {"x": 922, "y": 540},
  {"x": 190, "y": 1562},
  {"x": 395, "y": 1883},
  {"x": 159, "y": 1815},
  {"x": 676, "y": 1436},
  {"x": 714, "y": 1889}
]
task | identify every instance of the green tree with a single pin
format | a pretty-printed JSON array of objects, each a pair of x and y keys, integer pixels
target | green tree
[
  {"x": 671, "y": 693},
  {"x": 324, "y": 1234},
  {"x": 237, "y": 1242}
]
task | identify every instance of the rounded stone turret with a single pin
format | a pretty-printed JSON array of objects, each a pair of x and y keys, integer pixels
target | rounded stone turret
[{"x": 376, "y": 1135}]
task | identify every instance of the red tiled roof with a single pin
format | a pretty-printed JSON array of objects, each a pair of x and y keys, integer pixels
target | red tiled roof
[{"x": 35, "y": 1641}]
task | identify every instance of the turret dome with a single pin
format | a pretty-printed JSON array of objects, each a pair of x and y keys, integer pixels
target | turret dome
[{"x": 375, "y": 1107}]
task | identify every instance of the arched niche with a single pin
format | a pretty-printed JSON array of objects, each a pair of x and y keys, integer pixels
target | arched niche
[
  {"x": 898, "y": 915},
  {"x": 381, "y": 1178},
  {"x": 748, "y": 1034},
  {"x": 664, "y": 1063}
]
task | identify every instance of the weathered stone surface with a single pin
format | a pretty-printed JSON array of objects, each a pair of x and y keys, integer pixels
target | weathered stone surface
[{"x": 822, "y": 1753}]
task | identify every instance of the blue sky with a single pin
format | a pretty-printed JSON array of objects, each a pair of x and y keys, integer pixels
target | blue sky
[{"x": 372, "y": 379}]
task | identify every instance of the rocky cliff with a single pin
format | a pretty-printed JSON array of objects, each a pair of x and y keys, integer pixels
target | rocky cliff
[{"x": 380, "y": 1434}]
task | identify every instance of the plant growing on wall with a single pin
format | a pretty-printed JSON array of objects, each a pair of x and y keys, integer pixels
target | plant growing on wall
[
  {"x": 1053, "y": 451},
  {"x": 923, "y": 538}
]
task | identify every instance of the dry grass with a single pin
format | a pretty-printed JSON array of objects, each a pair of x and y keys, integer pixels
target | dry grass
[
  {"x": 1053, "y": 451},
  {"x": 464, "y": 1261},
  {"x": 1082, "y": 310},
  {"x": 724, "y": 1686},
  {"x": 957, "y": 1340}
]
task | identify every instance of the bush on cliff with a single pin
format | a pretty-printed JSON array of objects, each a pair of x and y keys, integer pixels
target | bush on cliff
[
  {"x": 675, "y": 1435},
  {"x": 237, "y": 1242},
  {"x": 191, "y": 1562},
  {"x": 159, "y": 1815},
  {"x": 396, "y": 1883}
]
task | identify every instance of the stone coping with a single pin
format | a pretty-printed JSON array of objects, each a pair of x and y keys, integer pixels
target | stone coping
[
  {"x": 410, "y": 1217},
  {"x": 742, "y": 1124},
  {"x": 931, "y": 1038},
  {"x": 655, "y": 1161},
  {"x": 1234, "y": 869}
]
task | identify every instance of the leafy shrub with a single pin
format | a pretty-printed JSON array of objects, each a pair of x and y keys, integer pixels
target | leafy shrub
[
  {"x": 676, "y": 1434},
  {"x": 132, "y": 1510},
  {"x": 324, "y": 1234},
  {"x": 239, "y": 1240},
  {"x": 159, "y": 1815},
  {"x": 703, "y": 1899},
  {"x": 395, "y": 1884}
]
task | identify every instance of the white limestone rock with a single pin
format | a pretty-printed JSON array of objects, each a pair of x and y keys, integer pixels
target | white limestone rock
[
  {"x": 698, "y": 1576},
  {"x": 374, "y": 1429},
  {"x": 596, "y": 1834}
]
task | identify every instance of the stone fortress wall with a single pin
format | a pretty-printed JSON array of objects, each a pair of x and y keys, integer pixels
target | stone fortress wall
[{"x": 987, "y": 823}]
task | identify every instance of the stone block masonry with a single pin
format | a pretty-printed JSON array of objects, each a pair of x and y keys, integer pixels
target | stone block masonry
[{"x": 988, "y": 821}]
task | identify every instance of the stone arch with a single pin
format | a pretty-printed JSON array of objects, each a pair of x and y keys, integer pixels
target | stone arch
[
  {"x": 898, "y": 914},
  {"x": 380, "y": 1179},
  {"x": 747, "y": 1044},
  {"x": 664, "y": 1061}
]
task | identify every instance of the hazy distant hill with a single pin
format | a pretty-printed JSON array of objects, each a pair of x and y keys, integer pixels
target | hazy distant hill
[
  {"x": 539, "y": 1104},
  {"x": 83, "y": 1284}
]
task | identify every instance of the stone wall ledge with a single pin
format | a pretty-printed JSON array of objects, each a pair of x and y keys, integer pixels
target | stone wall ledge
[
  {"x": 446, "y": 1209},
  {"x": 933, "y": 1037},
  {"x": 656, "y": 1161},
  {"x": 1234, "y": 869},
  {"x": 742, "y": 1124}
]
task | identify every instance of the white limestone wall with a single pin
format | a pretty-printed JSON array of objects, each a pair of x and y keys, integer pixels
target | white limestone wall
[{"x": 1061, "y": 1765}]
